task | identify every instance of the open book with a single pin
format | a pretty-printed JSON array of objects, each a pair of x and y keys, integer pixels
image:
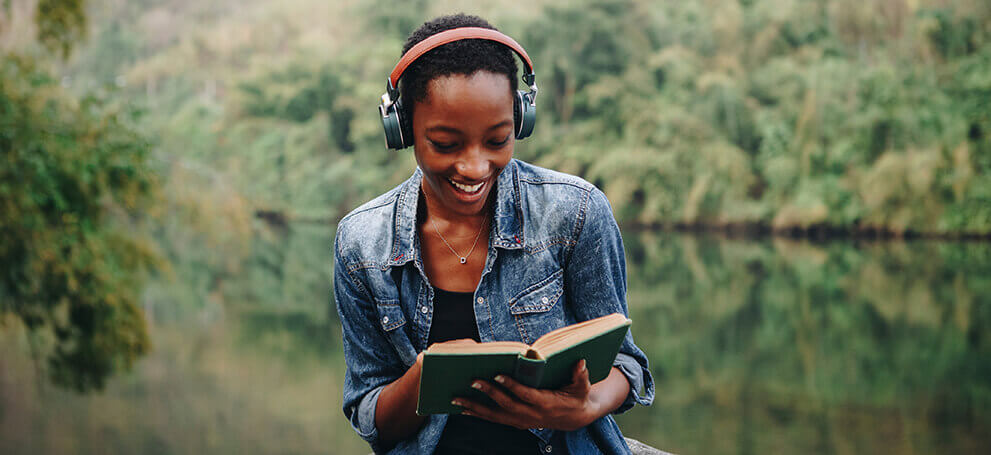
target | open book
[{"x": 450, "y": 367}]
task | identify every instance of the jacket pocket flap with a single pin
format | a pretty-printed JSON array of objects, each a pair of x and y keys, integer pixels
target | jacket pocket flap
[
  {"x": 390, "y": 314},
  {"x": 540, "y": 297}
]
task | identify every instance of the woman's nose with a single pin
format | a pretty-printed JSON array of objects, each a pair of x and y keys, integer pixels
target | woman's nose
[{"x": 473, "y": 164}]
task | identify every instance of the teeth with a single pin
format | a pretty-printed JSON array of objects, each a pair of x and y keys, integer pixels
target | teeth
[{"x": 466, "y": 188}]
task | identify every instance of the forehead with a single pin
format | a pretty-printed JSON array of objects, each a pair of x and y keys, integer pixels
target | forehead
[{"x": 481, "y": 93}]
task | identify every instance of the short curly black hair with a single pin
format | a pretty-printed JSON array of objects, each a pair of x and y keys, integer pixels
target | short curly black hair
[{"x": 458, "y": 57}]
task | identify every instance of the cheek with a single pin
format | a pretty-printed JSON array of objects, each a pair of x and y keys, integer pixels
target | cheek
[{"x": 506, "y": 156}]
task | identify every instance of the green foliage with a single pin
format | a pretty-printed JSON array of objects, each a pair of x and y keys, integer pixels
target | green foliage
[
  {"x": 74, "y": 178},
  {"x": 848, "y": 114},
  {"x": 61, "y": 24},
  {"x": 832, "y": 114}
]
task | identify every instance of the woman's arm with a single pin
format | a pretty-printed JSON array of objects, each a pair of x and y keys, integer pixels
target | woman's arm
[
  {"x": 595, "y": 285},
  {"x": 395, "y": 413},
  {"x": 375, "y": 372}
]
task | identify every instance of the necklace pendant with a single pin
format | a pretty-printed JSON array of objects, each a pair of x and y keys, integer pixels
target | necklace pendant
[{"x": 463, "y": 260}]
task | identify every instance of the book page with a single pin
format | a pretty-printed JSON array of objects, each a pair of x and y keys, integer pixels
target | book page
[
  {"x": 462, "y": 347},
  {"x": 564, "y": 337}
]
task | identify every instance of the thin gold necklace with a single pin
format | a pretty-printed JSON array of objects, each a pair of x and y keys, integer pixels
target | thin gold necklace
[{"x": 464, "y": 258}]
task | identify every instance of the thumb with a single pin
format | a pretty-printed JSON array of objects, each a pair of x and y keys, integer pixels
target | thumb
[{"x": 579, "y": 378}]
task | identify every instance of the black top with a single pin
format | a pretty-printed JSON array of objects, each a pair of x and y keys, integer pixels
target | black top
[{"x": 454, "y": 318}]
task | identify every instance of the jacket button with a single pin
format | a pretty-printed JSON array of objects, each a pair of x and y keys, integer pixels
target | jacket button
[
  {"x": 548, "y": 449},
  {"x": 543, "y": 299},
  {"x": 385, "y": 319},
  {"x": 424, "y": 309},
  {"x": 481, "y": 300}
]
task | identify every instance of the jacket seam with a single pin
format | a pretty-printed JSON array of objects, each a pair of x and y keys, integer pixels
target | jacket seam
[
  {"x": 521, "y": 327},
  {"x": 547, "y": 244},
  {"x": 581, "y": 186},
  {"x": 386, "y": 202},
  {"x": 360, "y": 286},
  {"x": 533, "y": 287},
  {"x": 579, "y": 227}
]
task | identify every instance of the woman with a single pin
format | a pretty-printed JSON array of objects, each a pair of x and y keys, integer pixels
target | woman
[{"x": 477, "y": 245}]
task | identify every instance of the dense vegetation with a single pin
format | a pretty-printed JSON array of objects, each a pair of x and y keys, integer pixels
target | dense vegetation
[
  {"x": 254, "y": 115},
  {"x": 75, "y": 179},
  {"x": 855, "y": 115}
]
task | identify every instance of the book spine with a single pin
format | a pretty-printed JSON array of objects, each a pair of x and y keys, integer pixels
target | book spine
[{"x": 529, "y": 372}]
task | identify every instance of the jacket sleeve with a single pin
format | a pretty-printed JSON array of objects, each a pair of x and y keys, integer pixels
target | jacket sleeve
[
  {"x": 596, "y": 283},
  {"x": 371, "y": 361}
]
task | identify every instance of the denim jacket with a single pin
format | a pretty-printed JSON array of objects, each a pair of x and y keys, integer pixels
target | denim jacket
[{"x": 555, "y": 257}]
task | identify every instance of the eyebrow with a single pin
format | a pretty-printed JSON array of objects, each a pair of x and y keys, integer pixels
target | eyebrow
[{"x": 449, "y": 129}]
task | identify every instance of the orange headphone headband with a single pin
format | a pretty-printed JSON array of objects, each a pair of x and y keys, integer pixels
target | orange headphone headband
[{"x": 457, "y": 34}]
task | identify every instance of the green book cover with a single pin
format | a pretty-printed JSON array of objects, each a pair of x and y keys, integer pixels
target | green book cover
[{"x": 448, "y": 375}]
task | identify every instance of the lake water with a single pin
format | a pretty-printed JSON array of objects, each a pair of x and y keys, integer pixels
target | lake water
[{"x": 756, "y": 346}]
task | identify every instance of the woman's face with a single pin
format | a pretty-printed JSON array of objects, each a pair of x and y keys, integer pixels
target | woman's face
[{"x": 463, "y": 137}]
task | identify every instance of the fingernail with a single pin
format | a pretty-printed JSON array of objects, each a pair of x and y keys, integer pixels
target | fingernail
[
  {"x": 500, "y": 379},
  {"x": 476, "y": 385}
]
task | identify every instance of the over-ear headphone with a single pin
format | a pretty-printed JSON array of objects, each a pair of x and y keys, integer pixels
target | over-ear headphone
[{"x": 398, "y": 133}]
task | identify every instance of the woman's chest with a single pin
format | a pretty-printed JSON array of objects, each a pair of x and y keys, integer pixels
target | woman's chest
[{"x": 518, "y": 296}]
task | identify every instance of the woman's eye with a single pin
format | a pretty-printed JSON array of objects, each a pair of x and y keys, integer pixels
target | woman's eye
[
  {"x": 499, "y": 143},
  {"x": 442, "y": 145}
]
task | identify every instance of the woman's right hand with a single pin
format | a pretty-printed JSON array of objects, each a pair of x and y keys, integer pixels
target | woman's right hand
[{"x": 395, "y": 413}]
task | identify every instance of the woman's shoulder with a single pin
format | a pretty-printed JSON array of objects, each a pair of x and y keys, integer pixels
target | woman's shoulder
[
  {"x": 557, "y": 205},
  {"x": 553, "y": 191},
  {"x": 532, "y": 174},
  {"x": 370, "y": 225}
]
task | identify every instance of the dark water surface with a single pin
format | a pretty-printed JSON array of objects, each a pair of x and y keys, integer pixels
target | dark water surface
[{"x": 757, "y": 346}]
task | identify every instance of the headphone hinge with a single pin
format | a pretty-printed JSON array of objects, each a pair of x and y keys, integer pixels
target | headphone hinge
[
  {"x": 391, "y": 90},
  {"x": 531, "y": 80}
]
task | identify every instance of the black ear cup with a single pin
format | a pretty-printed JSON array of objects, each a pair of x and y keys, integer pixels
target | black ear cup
[
  {"x": 391, "y": 125},
  {"x": 524, "y": 114},
  {"x": 517, "y": 115}
]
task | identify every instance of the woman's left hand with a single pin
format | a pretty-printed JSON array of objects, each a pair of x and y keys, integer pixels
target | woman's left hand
[{"x": 568, "y": 408}]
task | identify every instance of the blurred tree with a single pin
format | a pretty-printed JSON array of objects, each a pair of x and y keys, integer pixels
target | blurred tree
[
  {"x": 74, "y": 180},
  {"x": 61, "y": 24}
]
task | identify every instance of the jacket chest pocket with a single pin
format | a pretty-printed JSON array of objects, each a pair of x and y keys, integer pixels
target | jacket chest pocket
[
  {"x": 391, "y": 318},
  {"x": 537, "y": 309}
]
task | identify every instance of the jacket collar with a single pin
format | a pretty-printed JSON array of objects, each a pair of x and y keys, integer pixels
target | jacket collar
[{"x": 509, "y": 215}]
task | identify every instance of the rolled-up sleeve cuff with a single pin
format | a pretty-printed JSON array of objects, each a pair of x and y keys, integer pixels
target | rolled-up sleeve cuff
[
  {"x": 363, "y": 421},
  {"x": 641, "y": 383}
]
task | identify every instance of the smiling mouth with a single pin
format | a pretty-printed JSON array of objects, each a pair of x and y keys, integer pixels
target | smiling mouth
[{"x": 468, "y": 189}]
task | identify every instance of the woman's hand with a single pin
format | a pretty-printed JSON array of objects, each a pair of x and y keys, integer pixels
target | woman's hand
[
  {"x": 395, "y": 412},
  {"x": 568, "y": 408}
]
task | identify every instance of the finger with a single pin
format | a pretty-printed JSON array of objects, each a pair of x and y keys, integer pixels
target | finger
[
  {"x": 522, "y": 392},
  {"x": 579, "y": 377},
  {"x": 576, "y": 373},
  {"x": 469, "y": 405},
  {"x": 481, "y": 411},
  {"x": 503, "y": 399}
]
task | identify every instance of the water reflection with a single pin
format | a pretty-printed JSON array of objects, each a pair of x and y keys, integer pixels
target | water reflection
[
  {"x": 776, "y": 346},
  {"x": 766, "y": 346}
]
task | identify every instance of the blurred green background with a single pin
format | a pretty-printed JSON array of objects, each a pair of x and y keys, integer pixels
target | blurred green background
[{"x": 171, "y": 173}]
